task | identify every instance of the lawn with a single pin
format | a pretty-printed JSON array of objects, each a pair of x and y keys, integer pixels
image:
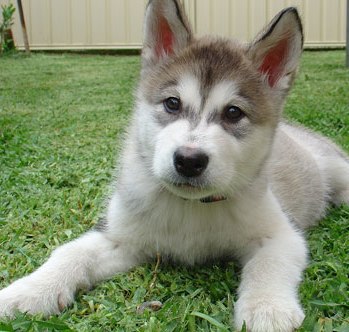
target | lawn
[{"x": 62, "y": 117}]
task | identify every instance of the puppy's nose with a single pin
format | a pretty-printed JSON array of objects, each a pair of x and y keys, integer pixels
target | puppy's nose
[{"x": 190, "y": 162}]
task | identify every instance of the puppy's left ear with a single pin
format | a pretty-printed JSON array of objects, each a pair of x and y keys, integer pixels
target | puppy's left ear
[
  {"x": 277, "y": 49},
  {"x": 166, "y": 31}
]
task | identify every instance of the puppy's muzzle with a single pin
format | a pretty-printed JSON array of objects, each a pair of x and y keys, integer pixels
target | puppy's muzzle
[{"x": 190, "y": 162}]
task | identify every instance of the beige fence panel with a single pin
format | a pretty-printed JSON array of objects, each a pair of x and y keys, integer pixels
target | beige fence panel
[
  {"x": 81, "y": 24},
  {"x": 117, "y": 24},
  {"x": 324, "y": 20}
]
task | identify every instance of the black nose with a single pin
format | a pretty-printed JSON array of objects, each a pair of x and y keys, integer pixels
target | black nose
[{"x": 190, "y": 162}]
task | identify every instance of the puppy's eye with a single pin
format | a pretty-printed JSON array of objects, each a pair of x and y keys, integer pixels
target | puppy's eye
[
  {"x": 172, "y": 105},
  {"x": 233, "y": 114}
]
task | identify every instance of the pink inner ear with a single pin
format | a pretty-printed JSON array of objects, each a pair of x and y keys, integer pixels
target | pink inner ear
[
  {"x": 273, "y": 62},
  {"x": 164, "y": 43}
]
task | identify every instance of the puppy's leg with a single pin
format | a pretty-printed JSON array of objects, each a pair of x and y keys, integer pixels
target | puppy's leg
[
  {"x": 75, "y": 265},
  {"x": 338, "y": 173},
  {"x": 268, "y": 300}
]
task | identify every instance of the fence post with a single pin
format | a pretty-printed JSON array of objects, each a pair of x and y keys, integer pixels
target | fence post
[
  {"x": 24, "y": 28},
  {"x": 347, "y": 44}
]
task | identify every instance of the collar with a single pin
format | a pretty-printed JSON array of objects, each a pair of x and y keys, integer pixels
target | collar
[{"x": 213, "y": 198}]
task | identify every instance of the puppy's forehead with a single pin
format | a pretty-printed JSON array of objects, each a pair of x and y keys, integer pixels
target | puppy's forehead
[
  {"x": 204, "y": 65},
  {"x": 221, "y": 93},
  {"x": 215, "y": 60},
  {"x": 196, "y": 95},
  {"x": 210, "y": 62},
  {"x": 189, "y": 88}
]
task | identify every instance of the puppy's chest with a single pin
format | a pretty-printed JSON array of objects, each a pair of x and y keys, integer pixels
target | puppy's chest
[{"x": 194, "y": 233}]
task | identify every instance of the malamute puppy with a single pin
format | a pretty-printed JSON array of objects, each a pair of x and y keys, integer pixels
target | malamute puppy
[{"x": 208, "y": 170}]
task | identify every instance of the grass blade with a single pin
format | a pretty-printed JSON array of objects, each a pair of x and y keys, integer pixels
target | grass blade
[{"x": 211, "y": 320}]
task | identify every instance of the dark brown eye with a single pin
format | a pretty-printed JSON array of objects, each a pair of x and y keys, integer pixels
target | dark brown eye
[
  {"x": 233, "y": 114},
  {"x": 172, "y": 105}
]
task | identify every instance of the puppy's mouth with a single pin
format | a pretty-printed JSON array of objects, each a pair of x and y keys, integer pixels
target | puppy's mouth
[
  {"x": 191, "y": 189},
  {"x": 187, "y": 186},
  {"x": 193, "y": 184},
  {"x": 192, "y": 192}
]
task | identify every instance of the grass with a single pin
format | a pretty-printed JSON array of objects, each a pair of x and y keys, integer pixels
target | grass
[{"x": 61, "y": 121}]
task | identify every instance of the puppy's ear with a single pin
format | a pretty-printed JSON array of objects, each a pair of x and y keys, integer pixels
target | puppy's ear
[
  {"x": 277, "y": 49},
  {"x": 166, "y": 31}
]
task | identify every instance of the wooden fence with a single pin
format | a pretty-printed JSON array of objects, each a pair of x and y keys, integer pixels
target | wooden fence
[{"x": 117, "y": 24}]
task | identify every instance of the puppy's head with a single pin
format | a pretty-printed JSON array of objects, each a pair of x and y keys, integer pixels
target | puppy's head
[{"x": 207, "y": 108}]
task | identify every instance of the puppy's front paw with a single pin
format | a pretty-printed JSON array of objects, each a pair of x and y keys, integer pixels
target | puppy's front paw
[
  {"x": 33, "y": 295},
  {"x": 268, "y": 314}
]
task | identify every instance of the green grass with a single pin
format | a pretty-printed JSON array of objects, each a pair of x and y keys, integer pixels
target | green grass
[{"x": 61, "y": 122}]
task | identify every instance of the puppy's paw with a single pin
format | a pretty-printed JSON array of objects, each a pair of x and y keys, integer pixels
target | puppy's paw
[
  {"x": 268, "y": 314},
  {"x": 33, "y": 295}
]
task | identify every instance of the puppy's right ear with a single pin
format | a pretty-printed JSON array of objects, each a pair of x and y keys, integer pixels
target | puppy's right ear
[
  {"x": 166, "y": 31},
  {"x": 277, "y": 49}
]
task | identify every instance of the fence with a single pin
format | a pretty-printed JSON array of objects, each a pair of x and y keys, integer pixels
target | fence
[{"x": 117, "y": 24}]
